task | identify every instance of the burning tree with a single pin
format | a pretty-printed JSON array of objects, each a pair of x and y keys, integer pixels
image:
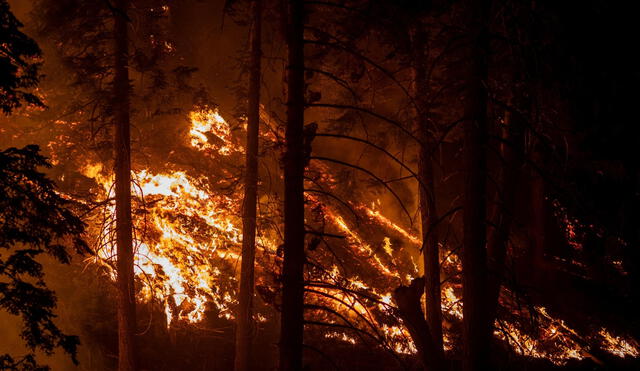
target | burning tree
[{"x": 395, "y": 111}]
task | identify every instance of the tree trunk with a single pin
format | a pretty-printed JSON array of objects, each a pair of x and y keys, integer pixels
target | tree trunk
[
  {"x": 291, "y": 335},
  {"x": 407, "y": 299},
  {"x": 512, "y": 157},
  {"x": 539, "y": 211},
  {"x": 426, "y": 186},
  {"x": 431, "y": 251},
  {"x": 476, "y": 324},
  {"x": 245, "y": 325},
  {"x": 122, "y": 152}
]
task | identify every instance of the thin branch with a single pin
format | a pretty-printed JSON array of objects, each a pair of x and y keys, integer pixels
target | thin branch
[
  {"x": 320, "y": 158},
  {"x": 369, "y": 112}
]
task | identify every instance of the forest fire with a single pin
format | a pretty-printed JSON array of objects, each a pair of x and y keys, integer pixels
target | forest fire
[
  {"x": 351, "y": 185},
  {"x": 618, "y": 346},
  {"x": 182, "y": 244},
  {"x": 190, "y": 235}
]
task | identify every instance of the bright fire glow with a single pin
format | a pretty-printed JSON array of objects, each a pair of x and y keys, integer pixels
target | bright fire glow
[
  {"x": 189, "y": 236},
  {"x": 209, "y": 131},
  {"x": 188, "y": 243},
  {"x": 618, "y": 346}
]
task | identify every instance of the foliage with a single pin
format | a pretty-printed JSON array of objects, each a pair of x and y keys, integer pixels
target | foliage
[
  {"x": 78, "y": 33},
  {"x": 19, "y": 65},
  {"x": 34, "y": 220},
  {"x": 27, "y": 363}
]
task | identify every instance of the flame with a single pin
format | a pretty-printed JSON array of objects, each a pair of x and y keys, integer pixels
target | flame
[
  {"x": 210, "y": 131},
  {"x": 362, "y": 247},
  {"x": 618, "y": 346},
  {"x": 451, "y": 304},
  {"x": 188, "y": 229},
  {"x": 188, "y": 241},
  {"x": 398, "y": 332},
  {"x": 385, "y": 221},
  {"x": 341, "y": 336},
  {"x": 387, "y": 246},
  {"x": 187, "y": 238}
]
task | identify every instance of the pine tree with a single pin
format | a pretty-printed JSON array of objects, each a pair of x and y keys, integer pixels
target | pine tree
[
  {"x": 122, "y": 152},
  {"x": 477, "y": 328},
  {"x": 245, "y": 324},
  {"x": 292, "y": 320},
  {"x": 35, "y": 219}
]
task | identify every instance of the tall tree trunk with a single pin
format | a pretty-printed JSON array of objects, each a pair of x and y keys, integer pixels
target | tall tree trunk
[
  {"x": 122, "y": 152},
  {"x": 511, "y": 151},
  {"x": 539, "y": 210},
  {"x": 245, "y": 325},
  {"x": 292, "y": 320},
  {"x": 426, "y": 185},
  {"x": 431, "y": 251},
  {"x": 476, "y": 324}
]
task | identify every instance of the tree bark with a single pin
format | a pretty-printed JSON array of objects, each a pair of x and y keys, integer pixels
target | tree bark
[
  {"x": 291, "y": 335},
  {"x": 539, "y": 215},
  {"x": 431, "y": 251},
  {"x": 476, "y": 324},
  {"x": 407, "y": 299},
  {"x": 512, "y": 157},
  {"x": 122, "y": 153},
  {"x": 426, "y": 188},
  {"x": 245, "y": 324}
]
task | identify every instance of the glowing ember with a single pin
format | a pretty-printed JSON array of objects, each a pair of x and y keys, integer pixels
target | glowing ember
[
  {"x": 209, "y": 131},
  {"x": 562, "y": 350},
  {"x": 385, "y": 221},
  {"x": 363, "y": 248},
  {"x": 387, "y": 246},
  {"x": 451, "y": 303},
  {"x": 341, "y": 336},
  {"x": 617, "y": 345},
  {"x": 396, "y": 332}
]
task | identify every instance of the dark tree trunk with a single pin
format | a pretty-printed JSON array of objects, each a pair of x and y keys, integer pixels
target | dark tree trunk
[
  {"x": 511, "y": 151},
  {"x": 539, "y": 215},
  {"x": 245, "y": 325},
  {"x": 407, "y": 299},
  {"x": 431, "y": 250},
  {"x": 291, "y": 335},
  {"x": 426, "y": 185},
  {"x": 122, "y": 152},
  {"x": 476, "y": 324}
]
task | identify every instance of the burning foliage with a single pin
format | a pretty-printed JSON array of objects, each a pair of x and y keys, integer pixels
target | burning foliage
[
  {"x": 361, "y": 243},
  {"x": 188, "y": 237}
]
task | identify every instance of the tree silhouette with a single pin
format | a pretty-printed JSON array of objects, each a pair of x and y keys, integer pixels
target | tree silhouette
[
  {"x": 19, "y": 63},
  {"x": 245, "y": 326},
  {"x": 34, "y": 218}
]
